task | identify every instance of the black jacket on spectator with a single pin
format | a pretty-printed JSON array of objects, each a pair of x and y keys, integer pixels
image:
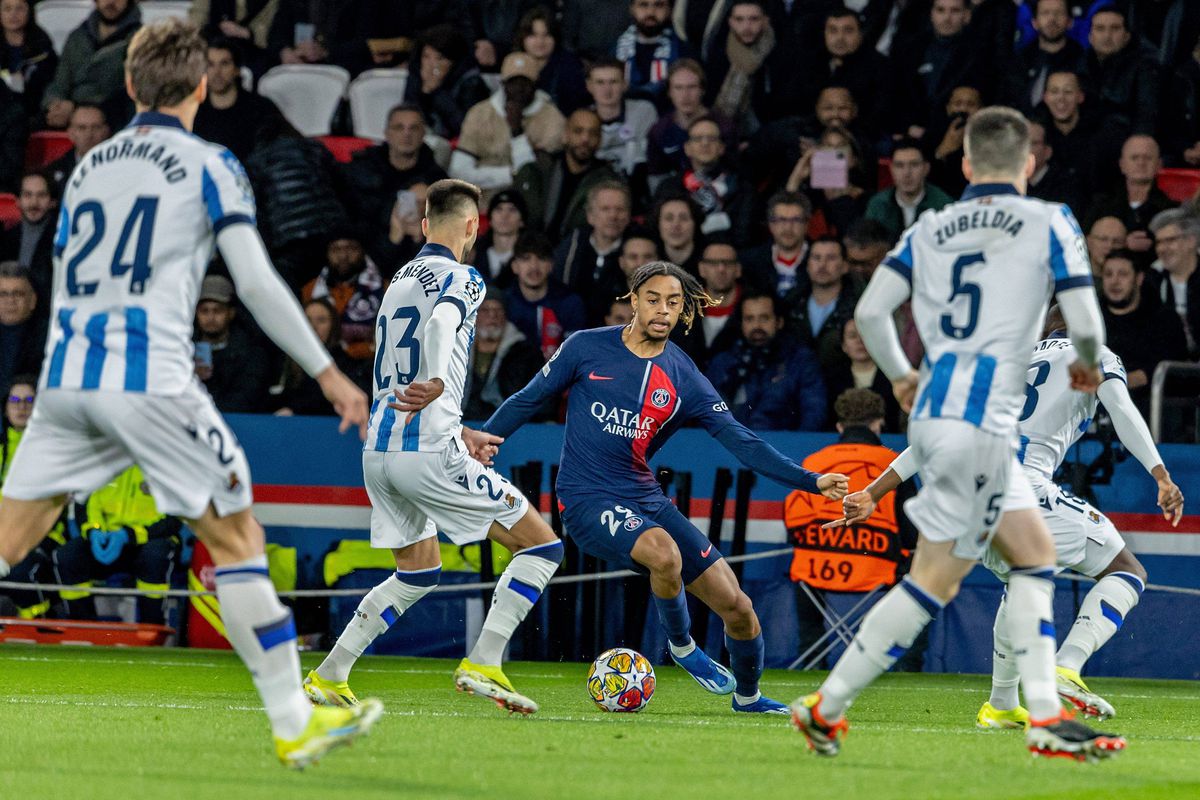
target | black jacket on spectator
[
  {"x": 927, "y": 73},
  {"x": 501, "y": 280},
  {"x": 368, "y": 187},
  {"x": 1033, "y": 65},
  {"x": 494, "y": 20},
  {"x": 1058, "y": 186},
  {"x": 1167, "y": 27},
  {"x": 1116, "y": 204},
  {"x": 775, "y": 387},
  {"x": 41, "y": 266},
  {"x": 701, "y": 352},
  {"x": 343, "y": 26},
  {"x": 828, "y": 340},
  {"x": 239, "y": 127},
  {"x": 563, "y": 79},
  {"x": 738, "y": 203},
  {"x": 591, "y": 26},
  {"x": 1078, "y": 153},
  {"x": 774, "y": 90},
  {"x": 758, "y": 269},
  {"x": 1181, "y": 114},
  {"x": 1125, "y": 88},
  {"x": 445, "y": 108},
  {"x": 775, "y": 149},
  {"x": 840, "y": 379},
  {"x": 513, "y": 365},
  {"x": 240, "y": 374},
  {"x": 35, "y": 61},
  {"x": 1158, "y": 284},
  {"x": 596, "y": 280},
  {"x": 867, "y": 75},
  {"x": 1145, "y": 337},
  {"x": 22, "y": 347},
  {"x": 302, "y": 394},
  {"x": 14, "y": 129},
  {"x": 540, "y": 182},
  {"x": 292, "y": 178}
]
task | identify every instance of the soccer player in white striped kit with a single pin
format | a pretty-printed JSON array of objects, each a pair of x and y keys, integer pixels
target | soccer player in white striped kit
[
  {"x": 140, "y": 216},
  {"x": 980, "y": 273}
]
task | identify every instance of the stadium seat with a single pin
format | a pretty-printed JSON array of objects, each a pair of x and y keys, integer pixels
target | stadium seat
[
  {"x": 155, "y": 10},
  {"x": 884, "y": 173},
  {"x": 307, "y": 94},
  {"x": 1179, "y": 184},
  {"x": 44, "y": 147},
  {"x": 343, "y": 147},
  {"x": 59, "y": 17},
  {"x": 371, "y": 95},
  {"x": 9, "y": 213}
]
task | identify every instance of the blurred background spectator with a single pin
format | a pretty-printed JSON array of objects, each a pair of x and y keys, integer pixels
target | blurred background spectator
[
  {"x": 231, "y": 365},
  {"x": 22, "y": 332},
  {"x": 297, "y": 394},
  {"x": 91, "y": 67},
  {"x": 27, "y": 58}
]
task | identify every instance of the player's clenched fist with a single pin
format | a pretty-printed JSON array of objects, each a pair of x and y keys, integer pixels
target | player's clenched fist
[
  {"x": 833, "y": 485},
  {"x": 905, "y": 390},
  {"x": 481, "y": 446}
]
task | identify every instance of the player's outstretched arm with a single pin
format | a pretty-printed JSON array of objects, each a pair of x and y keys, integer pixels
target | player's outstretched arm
[
  {"x": 1135, "y": 436},
  {"x": 764, "y": 459},
  {"x": 280, "y": 317},
  {"x": 859, "y": 506},
  {"x": 551, "y": 380},
  {"x": 873, "y": 316}
]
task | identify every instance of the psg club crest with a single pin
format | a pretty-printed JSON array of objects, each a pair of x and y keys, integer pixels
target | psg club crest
[{"x": 660, "y": 398}]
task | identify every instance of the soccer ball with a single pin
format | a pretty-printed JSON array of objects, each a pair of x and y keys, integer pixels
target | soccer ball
[{"x": 621, "y": 680}]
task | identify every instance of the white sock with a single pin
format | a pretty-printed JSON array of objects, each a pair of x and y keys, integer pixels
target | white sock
[
  {"x": 517, "y": 590},
  {"x": 4, "y": 568},
  {"x": 1104, "y": 609},
  {"x": 263, "y": 633},
  {"x": 381, "y": 607},
  {"x": 1005, "y": 677},
  {"x": 887, "y": 631},
  {"x": 1031, "y": 631},
  {"x": 683, "y": 652}
]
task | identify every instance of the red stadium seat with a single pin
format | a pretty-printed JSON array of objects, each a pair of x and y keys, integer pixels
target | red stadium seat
[
  {"x": 9, "y": 213},
  {"x": 343, "y": 147},
  {"x": 44, "y": 147},
  {"x": 884, "y": 173},
  {"x": 1179, "y": 184}
]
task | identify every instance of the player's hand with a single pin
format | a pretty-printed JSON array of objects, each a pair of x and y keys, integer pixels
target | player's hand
[
  {"x": 1170, "y": 500},
  {"x": 481, "y": 446},
  {"x": 349, "y": 401},
  {"x": 1084, "y": 378},
  {"x": 856, "y": 507},
  {"x": 416, "y": 396},
  {"x": 905, "y": 390},
  {"x": 833, "y": 485}
]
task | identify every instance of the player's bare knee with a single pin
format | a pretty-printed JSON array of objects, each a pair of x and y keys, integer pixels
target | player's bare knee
[
  {"x": 1126, "y": 561},
  {"x": 739, "y": 614},
  {"x": 657, "y": 552}
]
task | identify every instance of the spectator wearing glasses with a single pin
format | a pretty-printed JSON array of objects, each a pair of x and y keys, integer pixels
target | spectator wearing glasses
[
  {"x": 722, "y": 195},
  {"x": 778, "y": 265},
  {"x": 22, "y": 334},
  {"x": 719, "y": 328},
  {"x": 1104, "y": 236},
  {"x": 866, "y": 242},
  {"x": 1176, "y": 238}
]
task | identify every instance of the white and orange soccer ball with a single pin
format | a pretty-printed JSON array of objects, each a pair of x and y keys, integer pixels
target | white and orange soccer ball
[{"x": 621, "y": 679}]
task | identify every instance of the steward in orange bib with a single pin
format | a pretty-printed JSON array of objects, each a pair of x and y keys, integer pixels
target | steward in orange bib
[{"x": 855, "y": 558}]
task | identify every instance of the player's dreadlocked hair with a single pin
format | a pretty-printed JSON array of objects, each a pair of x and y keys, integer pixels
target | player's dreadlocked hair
[{"x": 695, "y": 299}]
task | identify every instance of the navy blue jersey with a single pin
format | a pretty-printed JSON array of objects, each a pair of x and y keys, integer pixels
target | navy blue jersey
[{"x": 622, "y": 408}]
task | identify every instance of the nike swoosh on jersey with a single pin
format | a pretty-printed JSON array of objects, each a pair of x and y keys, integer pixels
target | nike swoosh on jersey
[
  {"x": 704, "y": 553},
  {"x": 594, "y": 377}
]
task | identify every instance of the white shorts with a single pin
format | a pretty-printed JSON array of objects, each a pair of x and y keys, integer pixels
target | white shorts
[
  {"x": 968, "y": 479},
  {"x": 1084, "y": 539},
  {"x": 414, "y": 495},
  {"x": 78, "y": 441}
]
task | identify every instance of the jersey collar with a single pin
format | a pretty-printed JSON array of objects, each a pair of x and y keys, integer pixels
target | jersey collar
[
  {"x": 155, "y": 118},
  {"x": 984, "y": 189},
  {"x": 431, "y": 249}
]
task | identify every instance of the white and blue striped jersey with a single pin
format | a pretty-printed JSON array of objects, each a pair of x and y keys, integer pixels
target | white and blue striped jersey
[
  {"x": 1055, "y": 415},
  {"x": 982, "y": 272},
  {"x": 433, "y": 277},
  {"x": 136, "y": 231}
]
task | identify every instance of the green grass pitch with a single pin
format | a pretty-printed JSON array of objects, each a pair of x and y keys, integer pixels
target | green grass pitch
[{"x": 142, "y": 724}]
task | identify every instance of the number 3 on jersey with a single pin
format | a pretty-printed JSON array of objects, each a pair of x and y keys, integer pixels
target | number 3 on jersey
[
  {"x": 408, "y": 344},
  {"x": 140, "y": 220}
]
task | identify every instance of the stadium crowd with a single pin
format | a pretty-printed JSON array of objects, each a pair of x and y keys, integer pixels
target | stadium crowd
[{"x": 774, "y": 148}]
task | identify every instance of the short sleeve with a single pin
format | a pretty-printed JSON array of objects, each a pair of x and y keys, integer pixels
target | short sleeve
[
  {"x": 463, "y": 288},
  {"x": 228, "y": 195},
  {"x": 900, "y": 259},
  {"x": 1069, "y": 261},
  {"x": 1111, "y": 366}
]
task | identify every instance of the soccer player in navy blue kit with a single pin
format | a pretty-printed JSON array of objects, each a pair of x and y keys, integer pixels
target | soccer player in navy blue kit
[{"x": 631, "y": 389}]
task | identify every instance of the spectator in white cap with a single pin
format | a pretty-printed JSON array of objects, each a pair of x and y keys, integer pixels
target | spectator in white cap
[{"x": 503, "y": 133}]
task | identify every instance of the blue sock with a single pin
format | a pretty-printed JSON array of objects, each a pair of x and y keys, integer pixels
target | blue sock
[
  {"x": 746, "y": 663},
  {"x": 673, "y": 614}
]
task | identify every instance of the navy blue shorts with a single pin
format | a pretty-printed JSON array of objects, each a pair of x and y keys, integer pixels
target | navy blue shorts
[{"x": 607, "y": 528}]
